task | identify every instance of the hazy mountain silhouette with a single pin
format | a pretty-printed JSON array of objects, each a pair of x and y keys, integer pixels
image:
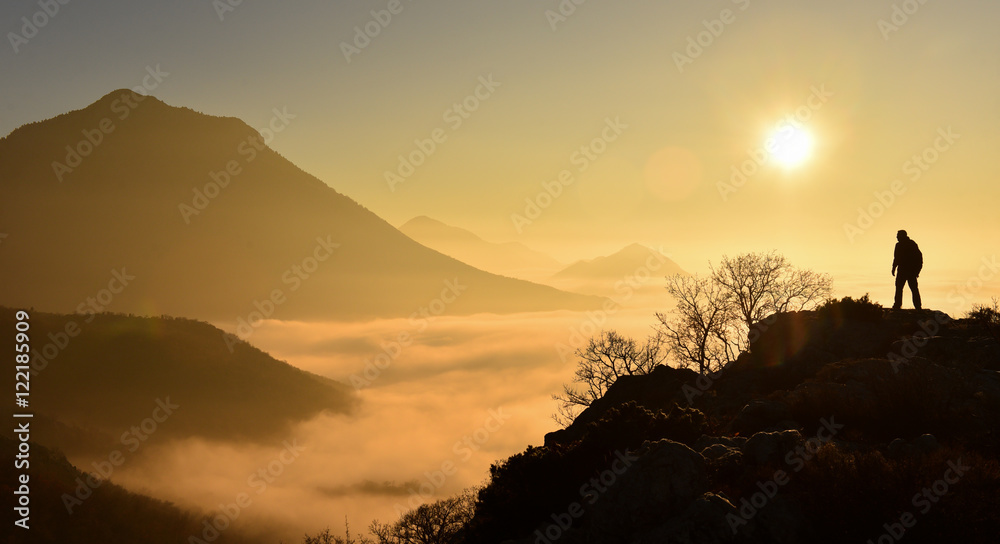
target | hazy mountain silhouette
[
  {"x": 123, "y": 205},
  {"x": 510, "y": 258},
  {"x": 118, "y": 369},
  {"x": 621, "y": 264}
]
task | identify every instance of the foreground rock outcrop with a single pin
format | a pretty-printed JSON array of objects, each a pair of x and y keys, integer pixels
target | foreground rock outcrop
[{"x": 840, "y": 425}]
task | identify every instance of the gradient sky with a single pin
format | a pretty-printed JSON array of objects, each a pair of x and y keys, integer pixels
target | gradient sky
[
  {"x": 889, "y": 94},
  {"x": 892, "y": 91}
]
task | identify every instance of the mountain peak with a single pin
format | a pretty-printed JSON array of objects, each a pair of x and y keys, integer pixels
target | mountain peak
[
  {"x": 126, "y": 95},
  {"x": 623, "y": 262},
  {"x": 210, "y": 218},
  {"x": 635, "y": 246},
  {"x": 423, "y": 221},
  {"x": 511, "y": 258}
]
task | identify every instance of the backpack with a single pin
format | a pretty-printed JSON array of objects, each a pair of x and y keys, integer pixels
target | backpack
[{"x": 914, "y": 256}]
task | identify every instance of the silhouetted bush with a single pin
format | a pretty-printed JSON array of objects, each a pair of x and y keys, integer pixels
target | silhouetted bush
[
  {"x": 987, "y": 317},
  {"x": 849, "y": 309}
]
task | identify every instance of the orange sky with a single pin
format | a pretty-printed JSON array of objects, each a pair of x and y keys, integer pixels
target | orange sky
[
  {"x": 511, "y": 92},
  {"x": 576, "y": 134}
]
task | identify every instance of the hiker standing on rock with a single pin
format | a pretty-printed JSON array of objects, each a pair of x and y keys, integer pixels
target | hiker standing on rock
[{"x": 909, "y": 260}]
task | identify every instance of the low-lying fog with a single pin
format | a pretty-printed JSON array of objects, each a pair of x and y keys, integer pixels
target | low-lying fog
[
  {"x": 464, "y": 393},
  {"x": 457, "y": 394}
]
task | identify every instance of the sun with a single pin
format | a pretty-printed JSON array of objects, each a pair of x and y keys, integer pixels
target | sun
[{"x": 790, "y": 145}]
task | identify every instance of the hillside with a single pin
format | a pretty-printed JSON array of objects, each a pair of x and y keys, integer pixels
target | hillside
[
  {"x": 203, "y": 220},
  {"x": 510, "y": 258},
  {"x": 109, "y": 514},
  {"x": 844, "y": 424},
  {"x": 117, "y": 370}
]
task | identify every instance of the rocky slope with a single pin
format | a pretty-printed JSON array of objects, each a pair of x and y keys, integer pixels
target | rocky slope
[{"x": 845, "y": 424}]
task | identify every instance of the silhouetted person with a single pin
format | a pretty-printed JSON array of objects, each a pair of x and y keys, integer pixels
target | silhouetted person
[{"x": 908, "y": 259}]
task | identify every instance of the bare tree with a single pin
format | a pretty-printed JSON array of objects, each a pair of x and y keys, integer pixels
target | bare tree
[
  {"x": 440, "y": 522},
  {"x": 699, "y": 332},
  {"x": 709, "y": 327},
  {"x": 605, "y": 359},
  {"x": 761, "y": 284}
]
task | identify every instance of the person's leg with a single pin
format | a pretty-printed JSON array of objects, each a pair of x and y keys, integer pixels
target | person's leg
[
  {"x": 915, "y": 291},
  {"x": 898, "y": 301}
]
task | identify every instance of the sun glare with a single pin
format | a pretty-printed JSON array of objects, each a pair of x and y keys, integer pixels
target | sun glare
[{"x": 790, "y": 145}]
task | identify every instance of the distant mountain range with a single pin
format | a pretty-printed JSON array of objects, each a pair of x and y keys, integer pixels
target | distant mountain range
[
  {"x": 509, "y": 258},
  {"x": 635, "y": 269},
  {"x": 514, "y": 258},
  {"x": 203, "y": 220},
  {"x": 624, "y": 263}
]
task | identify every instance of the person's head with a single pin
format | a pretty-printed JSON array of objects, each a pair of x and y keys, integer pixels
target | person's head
[{"x": 901, "y": 235}]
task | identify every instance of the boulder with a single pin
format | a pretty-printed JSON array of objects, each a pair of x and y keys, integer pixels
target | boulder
[
  {"x": 770, "y": 447},
  {"x": 925, "y": 443},
  {"x": 661, "y": 483},
  {"x": 729, "y": 441},
  {"x": 761, "y": 415},
  {"x": 901, "y": 448},
  {"x": 717, "y": 451},
  {"x": 702, "y": 522}
]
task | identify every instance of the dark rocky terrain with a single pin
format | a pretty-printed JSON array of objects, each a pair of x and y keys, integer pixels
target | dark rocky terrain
[{"x": 845, "y": 424}]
